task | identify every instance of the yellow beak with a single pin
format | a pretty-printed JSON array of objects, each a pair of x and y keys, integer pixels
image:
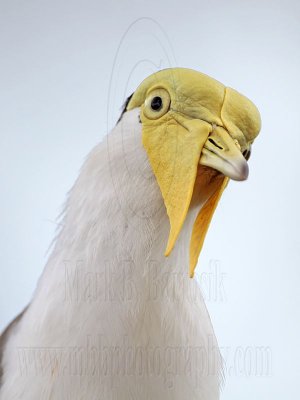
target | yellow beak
[{"x": 223, "y": 153}]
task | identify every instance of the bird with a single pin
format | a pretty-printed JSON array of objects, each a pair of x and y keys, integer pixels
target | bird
[{"x": 116, "y": 314}]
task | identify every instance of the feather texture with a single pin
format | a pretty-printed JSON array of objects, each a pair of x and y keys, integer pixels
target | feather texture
[{"x": 112, "y": 317}]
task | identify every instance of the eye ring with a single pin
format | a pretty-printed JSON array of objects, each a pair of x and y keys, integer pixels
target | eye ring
[{"x": 157, "y": 104}]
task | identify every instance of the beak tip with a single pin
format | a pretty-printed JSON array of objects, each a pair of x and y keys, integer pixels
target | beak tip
[{"x": 242, "y": 172}]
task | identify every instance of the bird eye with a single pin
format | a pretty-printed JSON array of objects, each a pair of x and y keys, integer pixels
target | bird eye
[{"x": 157, "y": 104}]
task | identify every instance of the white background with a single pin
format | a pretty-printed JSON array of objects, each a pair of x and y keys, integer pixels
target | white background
[{"x": 56, "y": 62}]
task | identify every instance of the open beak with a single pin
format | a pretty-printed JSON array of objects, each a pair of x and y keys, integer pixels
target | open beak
[{"x": 223, "y": 153}]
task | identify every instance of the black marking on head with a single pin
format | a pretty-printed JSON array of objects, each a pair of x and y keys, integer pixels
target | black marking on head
[
  {"x": 124, "y": 107},
  {"x": 247, "y": 153}
]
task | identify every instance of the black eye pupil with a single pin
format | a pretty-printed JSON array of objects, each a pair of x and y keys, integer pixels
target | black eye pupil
[{"x": 156, "y": 103}]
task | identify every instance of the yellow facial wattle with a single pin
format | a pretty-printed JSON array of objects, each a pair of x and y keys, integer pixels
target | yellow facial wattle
[{"x": 189, "y": 119}]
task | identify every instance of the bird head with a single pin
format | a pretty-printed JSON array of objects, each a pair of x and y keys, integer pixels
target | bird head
[{"x": 191, "y": 123}]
